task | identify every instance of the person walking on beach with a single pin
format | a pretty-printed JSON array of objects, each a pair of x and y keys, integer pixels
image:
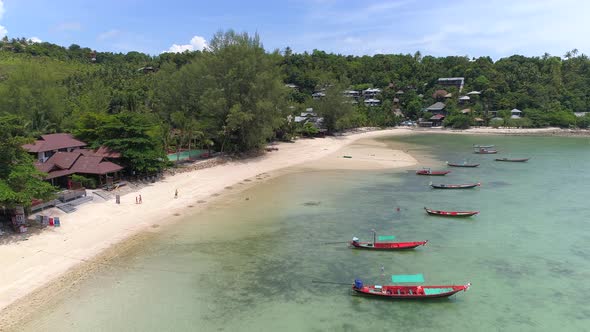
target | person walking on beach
[
  {"x": 136, "y": 200},
  {"x": 176, "y": 193},
  {"x": 140, "y": 201}
]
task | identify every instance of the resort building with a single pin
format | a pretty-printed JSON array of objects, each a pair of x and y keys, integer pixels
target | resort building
[
  {"x": 515, "y": 113},
  {"x": 318, "y": 95},
  {"x": 309, "y": 116},
  {"x": 372, "y": 102},
  {"x": 371, "y": 93},
  {"x": 351, "y": 94},
  {"x": 437, "y": 120},
  {"x": 61, "y": 155},
  {"x": 437, "y": 108}
]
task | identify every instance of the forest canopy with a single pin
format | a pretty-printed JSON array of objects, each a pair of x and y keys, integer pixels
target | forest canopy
[{"x": 235, "y": 96}]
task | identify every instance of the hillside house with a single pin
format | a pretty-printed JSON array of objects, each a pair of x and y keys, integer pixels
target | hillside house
[
  {"x": 437, "y": 108},
  {"x": 452, "y": 81},
  {"x": 371, "y": 93}
]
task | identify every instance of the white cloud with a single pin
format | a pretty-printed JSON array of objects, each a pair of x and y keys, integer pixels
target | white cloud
[
  {"x": 35, "y": 40},
  {"x": 3, "y": 31},
  {"x": 197, "y": 43},
  {"x": 113, "y": 33},
  {"x": 456, "y": 27}
]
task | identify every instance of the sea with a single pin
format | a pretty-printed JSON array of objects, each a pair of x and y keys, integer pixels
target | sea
[{"x": 274, "y": 257}]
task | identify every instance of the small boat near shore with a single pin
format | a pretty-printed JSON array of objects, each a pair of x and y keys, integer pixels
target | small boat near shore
[
  {"x": 450, "y": 213},
  {"x": 455, "y": 186},
  {"x": 427, "y": 171},
  {"x": 464, "y": 164},
  {"x": 408, "y": 292},
  {"x": 513, "y": 160},
  {"x": 355, "y": 243},
  {"x": 485, "y": 151}
]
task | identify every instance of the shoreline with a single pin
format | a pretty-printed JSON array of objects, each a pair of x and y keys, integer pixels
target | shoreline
[
  {"x": 41, "y": 270},
  {"x": 49, "y": 262},
  {"x": 549, "y": 131}
]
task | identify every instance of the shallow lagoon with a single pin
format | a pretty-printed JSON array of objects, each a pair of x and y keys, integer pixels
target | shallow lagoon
[{"x": 248, "y": 265}]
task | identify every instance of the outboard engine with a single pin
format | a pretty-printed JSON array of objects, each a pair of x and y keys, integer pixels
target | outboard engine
[
  {"x": 358, "y": 283},
  {"x": 355, "y": 239}
]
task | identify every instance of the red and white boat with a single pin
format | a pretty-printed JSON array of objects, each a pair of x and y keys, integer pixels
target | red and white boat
[
  {"x": 355, "y": 243},
  {"x": 408, "y": 292}
]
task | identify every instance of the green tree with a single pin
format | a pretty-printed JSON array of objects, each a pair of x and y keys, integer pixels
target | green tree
[
  {"x": 20, "y": 181},
  {"x": 333, "y": 108},
  {"x": 134, "y": 135}
]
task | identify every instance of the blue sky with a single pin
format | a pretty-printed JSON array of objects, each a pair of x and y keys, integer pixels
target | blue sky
[{"x": 456, "y": 27}]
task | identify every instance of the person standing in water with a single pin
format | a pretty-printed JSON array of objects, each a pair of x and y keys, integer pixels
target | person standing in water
[{"x": 176, "y": 193}]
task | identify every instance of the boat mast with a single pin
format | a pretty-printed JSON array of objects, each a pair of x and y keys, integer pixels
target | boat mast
[{"x": 374, "y": 236}]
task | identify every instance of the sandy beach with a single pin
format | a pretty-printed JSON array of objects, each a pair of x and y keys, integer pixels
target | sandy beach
[
  {"x": 37, "y": 266},
  {"x": 32, "y": 262}
]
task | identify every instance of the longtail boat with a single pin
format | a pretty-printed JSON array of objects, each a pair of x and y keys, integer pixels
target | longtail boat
[
  {"x": 522, "y": 160},
  {"x": 462, "y": 165},
  {"x": 476, "y": 146},
  {"x": 450, "y": 213},
  {"x": 455, "y": 186},
  {"x": 485, "y": 151},
  {"x": 408, "y": 292},
  {"x": 427, "y": 171},
  {"x": 355, "y": 243}
]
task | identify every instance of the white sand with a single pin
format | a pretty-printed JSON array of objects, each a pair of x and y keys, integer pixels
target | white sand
[{"x": 29, "y": 265}]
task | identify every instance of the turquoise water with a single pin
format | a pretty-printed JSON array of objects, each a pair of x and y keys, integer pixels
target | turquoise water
[
  {"x": 185, "y": 155},
  {"x": 248, "y": 265}
]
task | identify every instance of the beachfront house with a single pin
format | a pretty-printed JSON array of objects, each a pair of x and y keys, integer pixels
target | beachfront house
[
  {"x": 309, "y": 116},
  {"x": 452, "y": 81},
  {"x": 50, "y": 144},
  {"x": 439, "y": 112},
  {"x": 61, "y": 155},
  {"x": 515, "y": 113},
  {"x": 437, "y": 108},
  {"x": 437, "y": 120}
]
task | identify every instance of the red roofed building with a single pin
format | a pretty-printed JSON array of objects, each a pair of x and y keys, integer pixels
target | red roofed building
[
  {"x": 61, "y": 155},
  {"x": 437, "y": 120},
  {"x": 52, "y": 143}
]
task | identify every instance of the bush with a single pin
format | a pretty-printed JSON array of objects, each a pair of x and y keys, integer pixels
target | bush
[
  {"x": 496, "y": 123},
  {"x": 583, "y": 122},
  {"x": 308, "y": 130},
  {"x": 86, "y": 182},
  {"x": 458, "y": 121}
]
